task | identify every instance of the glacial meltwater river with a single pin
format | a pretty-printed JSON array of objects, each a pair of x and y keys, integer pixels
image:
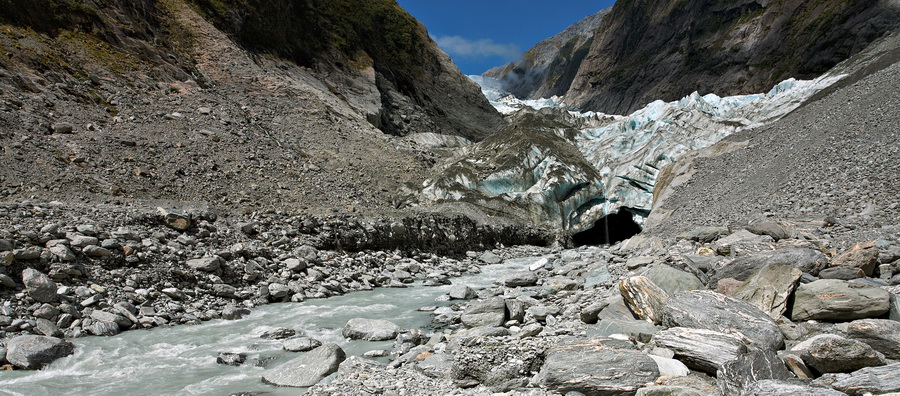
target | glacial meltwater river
[{"x": 181, "y": 360}]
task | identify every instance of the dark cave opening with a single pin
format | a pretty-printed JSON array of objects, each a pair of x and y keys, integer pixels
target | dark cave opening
[{"x": 609, "y": 229}]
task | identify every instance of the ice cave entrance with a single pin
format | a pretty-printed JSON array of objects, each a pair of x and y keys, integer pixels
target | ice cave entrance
[{"x": 610, "y": 229}]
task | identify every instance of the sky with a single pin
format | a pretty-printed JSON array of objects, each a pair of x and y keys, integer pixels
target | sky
[{"x": 481, "y": 34}]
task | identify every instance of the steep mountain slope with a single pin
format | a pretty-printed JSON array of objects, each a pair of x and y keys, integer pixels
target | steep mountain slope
[
  {"x": 649, "y": 50},
  {"x": 835, "y": 156},
  {"x": 549, "y": 68},
  {"x": 149, "y": 100}
]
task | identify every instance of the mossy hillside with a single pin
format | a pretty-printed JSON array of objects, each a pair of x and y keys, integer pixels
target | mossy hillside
[{"x": 335, "y": 32}]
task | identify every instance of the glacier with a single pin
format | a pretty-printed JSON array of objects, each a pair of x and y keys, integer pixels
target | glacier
[{"x": 563, "y": 168}]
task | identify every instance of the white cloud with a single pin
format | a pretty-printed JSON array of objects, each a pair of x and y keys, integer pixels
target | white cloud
[{"x": 481, "y": 48}]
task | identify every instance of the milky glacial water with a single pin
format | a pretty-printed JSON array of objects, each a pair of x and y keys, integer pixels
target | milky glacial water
[{"x": 181, "y": 360}]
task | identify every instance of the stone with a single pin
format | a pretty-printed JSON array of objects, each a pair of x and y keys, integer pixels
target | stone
[
  {"x": 829, "y": 353},
  {"x": 701, "y": 349},
  {"x": 208, "y": 264},
  {"x": 104, "y": 316},
  {"x": 787, "y": 388},
  {"x": 370, "y": 329},
  {"x": 679, "y": 386},
  {"x": 742, "y": 242},
  {"x": 635, "y": 329},
  {"x": 770, "y": 288},
  {"x": 796, "y": 365},
  {"x": 704, "y": 309},
  {"x": 728, "y": 286},
  {"x": 519, "y": 279},
  {"x": 871, "y": 380},
  {"x": 83, "y": 241},
  {"x": 101, "y": 328},
  {"x": 231, "y": 359},
  {"x": 96, "y": 251},
  {"x": 490, "y": 258},
  {"x": 749, "y": 367},
  {"x": 673, "y": 280},
  {"x": 308, "y": 369},
  {"x": 670, "y": 367},
  {"x": 542, "y": 312},
  {"x": 231, "y": 312},
  {"x": 62, "y": 127},
  {"x": 7, "y": 282},
  {"x": 34, "y": 352},
  {"x": 224, "y": 290},
  {"x": 773, "y": 229},
  {"x": 295, "y": 265},
  {"x": 593, "y": 368},
  {"x": 462, "y": 292},
  {"x": 881, "y": 334},
  {"x": 62, "y": 252},
  {"x": 47, "y": 328},
  {"x": 807, "y": 260},
  {"x": 842, "y": 272},
  {"x": 639, "y": 261},
  {"x": 895, "y": 308},
  {"x": 38, "y": 285},
  {"x": 704, "y": 234},
  {"x": 832, "y": 299},
  {"x": 26, "y": 254},
  {"x": 562, "y": 283},
  {"x": 487, "y": 313},
  {"x": 175, "y": 220},
  {"x": 515, "y": 310},
  {"x": 615, "y": 308},
  {"x": 279, "y": 333},
  {"x": 863, "y": 255},
  {"x": 301, "y": 344},
  {"x": 643, "y": 298}
]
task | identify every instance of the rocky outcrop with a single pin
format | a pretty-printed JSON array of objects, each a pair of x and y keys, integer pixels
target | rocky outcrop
[{"x": 644, "y": 50}]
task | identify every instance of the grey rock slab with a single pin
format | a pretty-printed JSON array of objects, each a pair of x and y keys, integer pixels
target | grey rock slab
[
  {"x": 370, "y": 329},
  {"x": 754, "y": 365},
  {"x": 301, "y": 344},
  {"x": 519, "y": 279},
  {"x": 877, "y": 380},
  {"x": 615, "y": 309},
  {"x": 34, "y": 352},
  {"x": 38, "y": 285},
  {"x": 462, "y": 292},
  {"x": 770, "y": 288},
  {"x": 772, "y": 387},
  {"x": 487, "y": 313},
  {"x": 490, "y": 258},
  {"x": 634, "y": 329},
  {"x": 863, "y": 255},
  {"x": 701, "y": 349},
  {"x": 7, "y": 282},
  {"x": 773, "y": 229},
  {"x": 644, "y": 298},
  {"x": 670, "y": 367},
  {"x": 807, "y": 260},
  {"x": 101, "y": 328},
  {"x": 593, "y": 368},
  {"x": 104, "y": 316},
  {"x": 704, "y": 234},
  {"x": 843, "y": 272},
  {"x": 829, "y": 353},
  {"x": 231, "y": 359},
  {"x": 894, "y": 314},
  {"x": 881, "y": 334},
  {"x": 96, "y": 251},
  {"x": 673, "y": 280},
  {"x": 308, "y": 369},
  {"x": 208, "y": 264},
  {"x": 62, "y": 252},
  {"x": 47, "y": 328},
  {"x": 832, "y": 299},
  {"x": 704, "y": 309}
]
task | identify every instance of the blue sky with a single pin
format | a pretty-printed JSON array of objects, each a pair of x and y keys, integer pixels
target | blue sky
[{"x": 481, "y": 34}]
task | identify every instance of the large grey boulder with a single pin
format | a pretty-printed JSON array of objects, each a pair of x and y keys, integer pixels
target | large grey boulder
[
  {"x": 881, "y": 334},
  {"x": 770, "y": 288},
  {"x": 371, "y": 329},
  {"x": 701, "y": 349},
  {"x": 593, "y": 368},
  {"x": 308, "y": 369},
  {"x": 644, "y": 298},
  {"x": 673, "y": 280},
  {"x": 34, "y": 352},
  {"x": 807, "y": 260},
  {"x": 301, "y": 344},
  {"x": 635, "y": 329},
  {"x": 755, "y": 365},
  {"x": 487, "y": 313},
  {"x": 704, "y": 309},
  {"x": 519, "y": 279},
  {"x": 832, "y": 299},
  {"x": 829, "y": 353},
  {"x": 863, "y": 255},
  {"x": 771, "y": 387},
  {"x": 38, "y": 285},
  {"x": 871, "y": 380},
  {"x": 207, "y": 264},
  {"x": 462, "y": 292}
]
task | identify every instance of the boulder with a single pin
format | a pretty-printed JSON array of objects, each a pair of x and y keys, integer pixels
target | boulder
[
  {"x": 101, "y": 328},
  {"x": 773, "y": 229},
  {"x": 490, "y": 258},
  {"x": 881, "y": 334},
  {"x": 754, "y": 365},
  {"x": 772, "y": 387},
  {"x": 863, "y": 255},
  {"x": 807, "y": 260},
  {"x": 370, "y": 329},
  {"x": 673, "y": 280},
  {"x": 701, "y": 349},
  {"x": 832, "y": 299},
  {"x": 670, "y": 367},
  {"x": 829, "y": 353},
  {"x": 871, "y": 380},
  {"x": 742, "y": 242},
  {"x": 615, "y": 308},
  {"x": 207, "y": 264},
  {"x": 644, "y": 298},
  {"x": 593, "y": 368},
  {"x": 842, "y": 272},
  {"x": 38, "y": 285},
  {"x": 104, "y": 316},
  {"x": 308, "y": 369},
  {"x": 634, "y": 329},
  {"x": 704, "y": 309},
  {"x": 519, "y": 279},
  {"x": 34, "y": 352},
  {"x": 301, "y": 344},
  {"x": 231, "y": 359},
  {"x": 704, "y": 234},
  {"x": 769, "y": 288},
  {"x": 487, "y": 313},
  {"x": 679, "y": 386},
  {"x": 462, "y": 292}
]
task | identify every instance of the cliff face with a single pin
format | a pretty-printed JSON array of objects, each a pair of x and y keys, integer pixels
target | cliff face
[
  {"x": 647, "y": 50},
  {"x": 549, "y": 68}
]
